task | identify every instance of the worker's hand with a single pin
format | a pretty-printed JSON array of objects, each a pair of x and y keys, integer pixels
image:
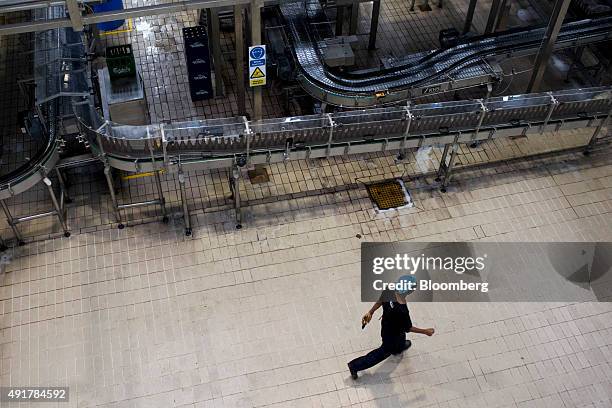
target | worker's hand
[{"x": 366, "y": 318}]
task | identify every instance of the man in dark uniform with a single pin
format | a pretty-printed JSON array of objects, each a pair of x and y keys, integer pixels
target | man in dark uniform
[{"x": 395, "y": 324}]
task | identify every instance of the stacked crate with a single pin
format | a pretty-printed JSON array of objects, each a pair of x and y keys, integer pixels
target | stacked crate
[{"x": 197, "y": 55}]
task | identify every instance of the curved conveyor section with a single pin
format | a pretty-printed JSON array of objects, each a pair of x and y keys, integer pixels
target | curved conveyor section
[
  {"x": 59, "y": 74},
  {"x": 307, "y": 26}
]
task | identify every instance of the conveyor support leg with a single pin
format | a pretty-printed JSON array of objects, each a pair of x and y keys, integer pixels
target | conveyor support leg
[
  {"x": 354, "y": 23},
  {"x": 11, "y": 222},
  {"x": 111, "y": 189},
  {"x": 63, "y": 187},
  {"x": 374, "y": 24},
  {"x": 589, "y": 146},
  {"x": 235, "y": 187},
  {"x": 186, "y": 217},
  {"x": 59, "y": 211},
  {"x": 162, "y": 200}
]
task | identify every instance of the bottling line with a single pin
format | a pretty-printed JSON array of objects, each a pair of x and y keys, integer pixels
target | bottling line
[{"x": 382, "y": 118}]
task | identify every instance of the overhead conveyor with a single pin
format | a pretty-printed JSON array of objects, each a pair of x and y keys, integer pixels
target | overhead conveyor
[{"x": 461, "y": 66}]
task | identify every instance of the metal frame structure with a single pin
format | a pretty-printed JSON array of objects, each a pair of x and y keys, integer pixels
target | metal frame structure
[
  {"x": 238, "y": 144},
  {"x": 422, "y": 74}
]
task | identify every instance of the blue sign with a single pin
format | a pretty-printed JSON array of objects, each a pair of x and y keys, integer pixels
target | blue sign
[
  {"x": 258, "y": 53},
  {"x": 257, "y": 63}
]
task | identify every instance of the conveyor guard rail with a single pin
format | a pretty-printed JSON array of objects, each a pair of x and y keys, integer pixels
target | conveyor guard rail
[{"x": 428, "y": 124}]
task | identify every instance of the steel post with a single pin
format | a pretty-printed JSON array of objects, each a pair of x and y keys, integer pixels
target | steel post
[
  {"x": 354, "y": 23},
  {"x": 339, "y": 20},
  {"x": 11, "y": 222},
  {"x": 470, "y": 16},
  {"x": 236, "y": 193},
  {"x": 239, "y": 34},
  {"x": 409, "y": 117},
  {"x": 494, "y": 15},
  {"x": 76, "y": 18},
  {"x": 111, "y": 189},
  {"x": 550, "y": 37},
  {"x": 56, "y": 206},
  {"x": 162, "y": 200},
  {"x": 215, "y": 44},
  {"x": 449, "y": 169},
  {"x": 442, "y": 167},
  {"x": 256, "y": 40},
  {"x": 63, "y": 187},
  {"x": 374, "y": 24},
  {"x": 186, "y": 217},
  {"x": 593, "y": 140}
]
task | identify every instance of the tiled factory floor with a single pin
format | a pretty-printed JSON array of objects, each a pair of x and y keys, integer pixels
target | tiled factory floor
[{"x": 268, "y": 316}]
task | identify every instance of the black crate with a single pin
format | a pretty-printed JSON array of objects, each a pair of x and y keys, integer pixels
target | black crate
[
  {"x": 197, "y": 57},
  {"x": 120, "y": 62}
]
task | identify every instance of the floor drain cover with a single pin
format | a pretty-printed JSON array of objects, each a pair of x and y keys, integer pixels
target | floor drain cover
[
  {"x": 259, "y": 175},
  {"x": 389, "y": 194}
]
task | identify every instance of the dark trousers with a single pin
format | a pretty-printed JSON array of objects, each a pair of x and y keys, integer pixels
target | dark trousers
[{"x": 393, "y": 345}]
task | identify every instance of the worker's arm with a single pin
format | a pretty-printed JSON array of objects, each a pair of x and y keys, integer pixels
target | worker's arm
[
  {"x": 368, "y": 316},
  {"x": 427, "y": 332}
]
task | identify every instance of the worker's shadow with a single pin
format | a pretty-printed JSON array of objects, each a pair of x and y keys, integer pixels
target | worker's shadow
[{"x": 379, "y": 383}]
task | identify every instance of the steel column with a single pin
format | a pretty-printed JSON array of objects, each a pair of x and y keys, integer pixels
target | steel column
[
  {"x": 494, "y": 15},
  {"x": 339, "y": 19},
  {"x": 354, "y": 23},
  {"x": 186, "y": 217},
  {"x": 76, "y": 18},
  {"x": 162, "y": 200},
  {"x": 445, "y": 170},
  {"x": 11, "y": 222},
  {"x": 374, "y": 24},
  {"x": 215, "y": 45},
  {"x": 604, "y": 122},
  {"x": 256, "y": 40},
  {"x": 239, "y": 34},
  {"x": 550, "y": 37},
  {"x": 111, "y": 189},
  {"x": 63, "y": 187},
  {"x": 235, "y": 185},
  {"x": 470, "y": 16},
  {"x": 58, "y": 209}
]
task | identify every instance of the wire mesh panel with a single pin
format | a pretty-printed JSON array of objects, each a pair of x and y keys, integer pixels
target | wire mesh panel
[
  {"x": 301, "y": 130},
  {"x": 365, "y": 124},
  {"x": 445, "y": 117},
  {"x": 592, "y": 102},
  {"x": 512, "y": 110},
  {"x": 213, "y": 135}
]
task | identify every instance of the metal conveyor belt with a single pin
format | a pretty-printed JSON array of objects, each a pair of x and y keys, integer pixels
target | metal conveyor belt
[{"x": 463, "y": 65}]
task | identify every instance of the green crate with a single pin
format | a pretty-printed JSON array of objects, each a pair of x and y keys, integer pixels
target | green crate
[{"x": 120, "y": 62}]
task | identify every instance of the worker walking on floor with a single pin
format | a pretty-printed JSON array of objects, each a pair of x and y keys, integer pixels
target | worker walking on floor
[{"x": 395, "y": 324}]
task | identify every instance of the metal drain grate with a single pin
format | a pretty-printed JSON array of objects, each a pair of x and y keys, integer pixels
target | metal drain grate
[{"x": 389, "y": 194}]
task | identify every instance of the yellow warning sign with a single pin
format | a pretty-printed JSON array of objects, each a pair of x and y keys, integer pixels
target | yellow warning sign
[{"x": 258, "y": 73}]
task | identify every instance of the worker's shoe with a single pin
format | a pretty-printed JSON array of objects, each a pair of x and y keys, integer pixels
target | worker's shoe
[
  {"x": 407, "y": 345},
  {"x": 354, "y": 375}
]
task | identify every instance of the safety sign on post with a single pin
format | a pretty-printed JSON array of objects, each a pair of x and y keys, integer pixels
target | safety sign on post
[{"x": 257, "y": 65}]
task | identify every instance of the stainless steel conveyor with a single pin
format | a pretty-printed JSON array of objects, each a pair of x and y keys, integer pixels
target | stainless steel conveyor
[
  {"x": 236, "y": 143},
  {"x": 462, "y": 66}
]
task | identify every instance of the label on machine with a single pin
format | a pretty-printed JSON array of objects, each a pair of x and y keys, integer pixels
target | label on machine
[{"x": 257, "y": 65}]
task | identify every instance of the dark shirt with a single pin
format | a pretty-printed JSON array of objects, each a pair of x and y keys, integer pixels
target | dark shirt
[{"x": 395, "y": 320}]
